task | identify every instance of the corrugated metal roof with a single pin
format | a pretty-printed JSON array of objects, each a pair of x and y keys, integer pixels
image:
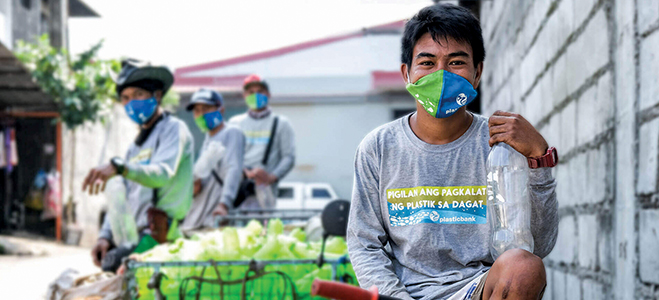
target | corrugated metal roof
[
  {"x": 78, "y": 8},
  {"x": 17, "y": 90}
]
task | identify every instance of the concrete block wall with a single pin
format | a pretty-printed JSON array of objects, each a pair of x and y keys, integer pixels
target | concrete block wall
[{"x": 586, "y": 74}]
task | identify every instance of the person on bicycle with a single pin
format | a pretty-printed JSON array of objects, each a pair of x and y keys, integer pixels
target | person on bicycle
[
  {"x": 417, "y": 227},
  {"x": 157, "y": 169}
]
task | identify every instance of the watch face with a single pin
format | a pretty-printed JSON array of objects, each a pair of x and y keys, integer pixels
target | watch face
[{"x": 118, "y": 163}]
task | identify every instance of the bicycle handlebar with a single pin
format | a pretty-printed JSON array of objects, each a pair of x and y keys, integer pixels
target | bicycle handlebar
[{"x": 342, "y": 291}]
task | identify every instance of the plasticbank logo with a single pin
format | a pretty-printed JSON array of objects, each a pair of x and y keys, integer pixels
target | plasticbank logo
[
  {"x": 434, "y": 216},
  {"x": 461, "y": 99}
]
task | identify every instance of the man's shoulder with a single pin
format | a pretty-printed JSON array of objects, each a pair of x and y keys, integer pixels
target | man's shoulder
[
  {"x": 382, "y": 134},
  {"x": 481, "y": 127},
  {"x": 281, "y": 118},
  {"x": 237, "y": 119},
  {"x": 174, "y": 124},
  {"x": 172, "y": 120},
  {"x": 233, "y": 130},
  {"x": 480, "y": 119}
]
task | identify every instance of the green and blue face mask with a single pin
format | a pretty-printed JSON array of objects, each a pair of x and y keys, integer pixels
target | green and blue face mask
[
  {"x": 256, "y": 101},
  {"x": 209, "y": 121},
  {"x": 442, "y": 93}
]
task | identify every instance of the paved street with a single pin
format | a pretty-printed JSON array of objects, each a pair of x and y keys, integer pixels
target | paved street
[{"x": 28, "y": 276}]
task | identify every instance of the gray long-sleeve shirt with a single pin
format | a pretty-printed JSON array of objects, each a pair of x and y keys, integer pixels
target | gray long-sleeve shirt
[
  {"x": 418, "y": 227},
  {"x": 164, "y": 161},
  {"x": 229, "y": 169},
  {"x": 257, "y": 135}
]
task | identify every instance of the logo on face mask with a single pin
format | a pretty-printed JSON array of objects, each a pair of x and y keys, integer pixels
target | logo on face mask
[{"x": 461, "y": 99}]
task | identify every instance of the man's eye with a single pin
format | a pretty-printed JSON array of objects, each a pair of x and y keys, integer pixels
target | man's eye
[
  {"x": 426, "y": 63},
  {"x": 457, "y": 62}
]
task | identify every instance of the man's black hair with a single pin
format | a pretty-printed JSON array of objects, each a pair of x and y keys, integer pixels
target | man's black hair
[{"x": 443, "y": 21}]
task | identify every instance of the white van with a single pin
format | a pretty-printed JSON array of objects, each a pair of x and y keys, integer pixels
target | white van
[{"x": 300, "y": 195}]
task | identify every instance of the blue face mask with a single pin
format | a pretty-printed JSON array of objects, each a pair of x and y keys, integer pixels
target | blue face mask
[
  {"x": 442, "y": 93},
  {"x": 141, "y": 111},
  {"x": 209, "y": 121}
]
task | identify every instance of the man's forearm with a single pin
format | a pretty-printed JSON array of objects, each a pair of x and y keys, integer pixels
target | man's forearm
[
  {"x": 374, "y": 267},
  {"x": 284, "y": 166},
  {"x": 106, "y": 230},
  {"x": 544, "y": 211}
]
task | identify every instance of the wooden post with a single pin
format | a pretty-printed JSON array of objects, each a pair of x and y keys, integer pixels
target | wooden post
[{"x": 58, "y": 151}]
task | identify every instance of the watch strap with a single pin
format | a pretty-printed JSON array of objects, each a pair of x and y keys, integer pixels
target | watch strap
[
  {"x": 549, "y": 160},
  {"x": 118, "y": 165}
]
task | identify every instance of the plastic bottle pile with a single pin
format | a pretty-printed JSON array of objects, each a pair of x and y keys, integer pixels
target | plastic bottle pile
[{"x": 244, "y": 244}]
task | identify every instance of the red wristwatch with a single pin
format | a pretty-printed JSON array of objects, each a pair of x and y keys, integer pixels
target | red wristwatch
[{"x": 549, "y": 160}]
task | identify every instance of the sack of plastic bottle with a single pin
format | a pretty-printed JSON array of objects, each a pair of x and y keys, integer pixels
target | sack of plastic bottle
[
  {"x": 208, "y": 159},
  {"x": 122, "y": 221},
  {"x": 265, "y": 196},
  {"x": 508, "y": 200}
]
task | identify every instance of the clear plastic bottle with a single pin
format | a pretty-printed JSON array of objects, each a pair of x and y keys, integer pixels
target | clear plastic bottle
[
  {"x": 122, "y": 221},
  {"x": 508, "y": 200}
]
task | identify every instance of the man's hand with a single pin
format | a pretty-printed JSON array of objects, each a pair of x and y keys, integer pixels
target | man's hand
[
  {"x": 99, "y": 251},
  {"x": 197, "y": 187},
  {"x": 97, "y": 178},
  {"x": 158, "y": 224},
  {"x": 260, "y": 176},
  {"x": 517, "y": 132},
  {"x": 221, "y": 210}
]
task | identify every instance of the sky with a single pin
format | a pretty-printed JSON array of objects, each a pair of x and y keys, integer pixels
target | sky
[{"x": 182, "y": 33}]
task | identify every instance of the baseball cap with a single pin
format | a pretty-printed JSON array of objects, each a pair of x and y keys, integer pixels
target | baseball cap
[
  {"x": 205, "y": 96},
  {"x": 254, "y": 79}
]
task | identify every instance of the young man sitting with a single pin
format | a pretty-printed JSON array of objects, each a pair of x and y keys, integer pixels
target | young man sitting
[{"x": 405, "y": 235}]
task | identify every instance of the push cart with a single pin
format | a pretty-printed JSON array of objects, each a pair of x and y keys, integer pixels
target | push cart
[{"x": 276, "y": 279}]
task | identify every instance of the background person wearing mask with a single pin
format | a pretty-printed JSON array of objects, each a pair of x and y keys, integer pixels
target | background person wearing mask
[
  {"x": 157, "y": 169},
  {"x": 219, "y": 168},
  {"x": 257, "y": 124}
]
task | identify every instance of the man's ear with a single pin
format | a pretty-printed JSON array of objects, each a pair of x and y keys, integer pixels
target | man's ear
[
  {"x": 222, "y": 110},
  {"x": 267, "y": 93},
  {"x": 403, "y": 72},
  {"x": 158, "y": 95},
  {"x": 479, "y": 72}
]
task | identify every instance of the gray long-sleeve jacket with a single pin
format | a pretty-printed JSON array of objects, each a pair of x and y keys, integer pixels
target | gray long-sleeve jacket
[
  {"x": 257, "y": 135},
  {"x": 230, "y": 171},
  {"x": 163, "y": 161},
  {"x": 418, "y": 224}
]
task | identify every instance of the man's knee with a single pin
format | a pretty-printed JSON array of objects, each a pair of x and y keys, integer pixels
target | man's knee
[
  {"x": 522, "y": 273},
  {"x": 521, "y": 258}
]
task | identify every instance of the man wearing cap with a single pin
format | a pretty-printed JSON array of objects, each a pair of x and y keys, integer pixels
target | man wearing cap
[
  {"x": 219, "y": 168},
  {"x": 265, "y": 165},
  {"x": 157, "y": 169}
]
